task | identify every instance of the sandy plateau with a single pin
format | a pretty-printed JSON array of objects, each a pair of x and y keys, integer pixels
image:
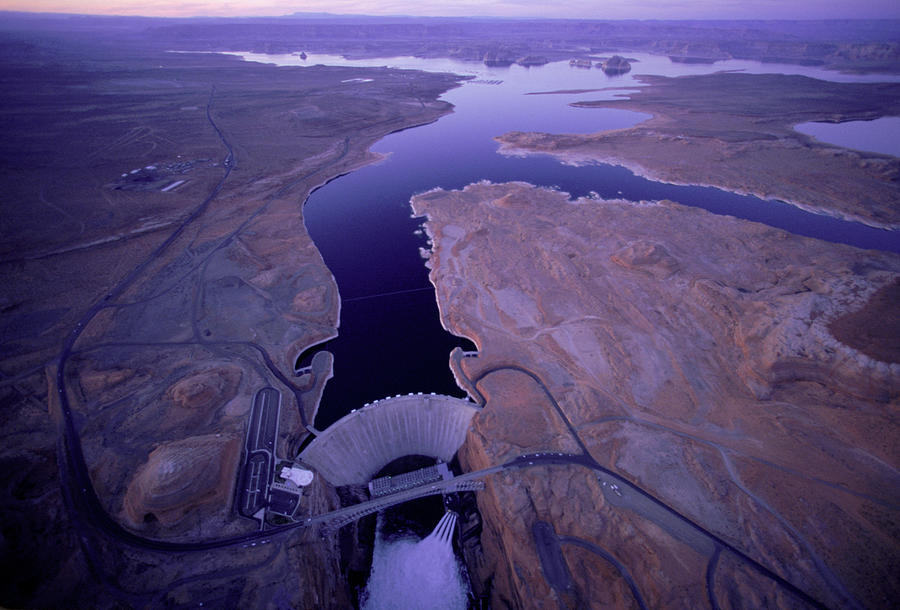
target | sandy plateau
[{"x": 745, "y": 376}]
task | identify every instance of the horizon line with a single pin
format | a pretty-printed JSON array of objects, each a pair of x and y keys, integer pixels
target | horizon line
[{"x": 321, "y": 16}]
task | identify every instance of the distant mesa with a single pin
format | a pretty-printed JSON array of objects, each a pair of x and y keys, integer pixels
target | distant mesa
[
  {"x": 498, "y": 59},
  {"x": 180, "y": 476},
  {"x": 616, "y": 65},
  {"x": 685, "y": 59},
  {"x": 532, "y": 60}
]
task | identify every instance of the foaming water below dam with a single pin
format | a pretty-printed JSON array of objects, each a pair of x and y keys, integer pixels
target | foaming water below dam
[{"x": 413, "y": 574}]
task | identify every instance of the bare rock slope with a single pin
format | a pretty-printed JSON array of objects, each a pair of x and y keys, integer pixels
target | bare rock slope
[{"x": 691, "y": 355}]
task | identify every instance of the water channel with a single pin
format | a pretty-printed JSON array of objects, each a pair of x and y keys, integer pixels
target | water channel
[{"x": 391, "y": 340}]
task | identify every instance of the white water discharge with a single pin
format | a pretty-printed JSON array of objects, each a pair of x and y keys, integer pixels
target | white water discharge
[{"x": 411, "y": 575}]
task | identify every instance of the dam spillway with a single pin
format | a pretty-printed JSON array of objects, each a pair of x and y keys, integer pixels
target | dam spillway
[{"x": 354, "y": 448}]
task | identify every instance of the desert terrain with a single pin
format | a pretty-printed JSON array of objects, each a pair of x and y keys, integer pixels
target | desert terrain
[
  {"x": 713, "y": 362},
  {"x": 653, "y": 327},
  {"x": 158, "y": 275}
]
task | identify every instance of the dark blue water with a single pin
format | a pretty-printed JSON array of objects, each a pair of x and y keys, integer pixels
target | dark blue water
[{"x": 390, "y": 340}]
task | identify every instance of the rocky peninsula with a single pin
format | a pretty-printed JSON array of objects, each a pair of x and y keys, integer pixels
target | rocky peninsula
[
  {"x": 696, "y": 356},
  {"x": 735, "y": 131}
]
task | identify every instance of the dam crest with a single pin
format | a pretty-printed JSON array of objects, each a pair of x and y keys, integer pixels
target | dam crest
[{"x": 353, "y": 449}]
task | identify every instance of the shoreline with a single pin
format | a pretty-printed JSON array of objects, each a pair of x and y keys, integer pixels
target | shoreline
[
  {"x": 582, "y": 159},
  {"x": 714, "y": 130}
]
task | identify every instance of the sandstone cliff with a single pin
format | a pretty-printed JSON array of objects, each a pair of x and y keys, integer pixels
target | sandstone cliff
[{"x": 691, "y": 355}]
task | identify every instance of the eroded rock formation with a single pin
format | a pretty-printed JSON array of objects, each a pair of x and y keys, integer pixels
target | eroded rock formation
[
  {"x": 690, "y": 354},
  {"x": 199, "y": 395},
  {"x": 180, "y": 476}
]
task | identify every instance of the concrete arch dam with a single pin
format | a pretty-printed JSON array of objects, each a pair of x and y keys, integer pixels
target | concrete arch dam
[{"x": 354, "y": 448}]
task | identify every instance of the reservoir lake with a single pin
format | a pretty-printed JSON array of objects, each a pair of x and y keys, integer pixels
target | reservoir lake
[
  {"x": 390, "y": 338},
  {"x": 880, "y": 135}
]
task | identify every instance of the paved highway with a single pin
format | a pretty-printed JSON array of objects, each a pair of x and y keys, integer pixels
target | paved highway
[{"x": 640, "y": 500}]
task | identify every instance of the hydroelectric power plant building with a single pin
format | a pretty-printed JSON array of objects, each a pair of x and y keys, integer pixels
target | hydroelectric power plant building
[{"x": 353, "y": 450}]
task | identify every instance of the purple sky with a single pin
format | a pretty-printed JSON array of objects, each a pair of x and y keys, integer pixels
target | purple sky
[{"x": 588, "y": 9}]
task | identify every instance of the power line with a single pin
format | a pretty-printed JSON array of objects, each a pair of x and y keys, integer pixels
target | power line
[{"x": 386, "y": 294}]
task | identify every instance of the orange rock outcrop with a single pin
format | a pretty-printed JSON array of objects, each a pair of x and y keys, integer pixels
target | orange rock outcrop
[
  {"x": 692, "y": 355},
  {"x": 180, "y": 476}
]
